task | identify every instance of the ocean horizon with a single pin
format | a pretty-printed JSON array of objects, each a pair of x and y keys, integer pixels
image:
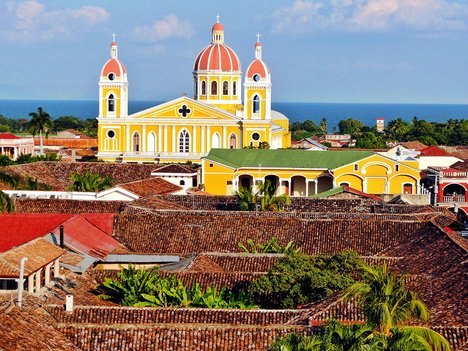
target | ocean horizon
[{"x": 295, "y": 111}]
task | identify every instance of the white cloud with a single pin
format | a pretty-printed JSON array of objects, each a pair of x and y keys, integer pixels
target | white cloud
[
  {"x": 31, "y": 21},
  {"x": 370, "y": 15},
  {"x": 166, "y": 28}
]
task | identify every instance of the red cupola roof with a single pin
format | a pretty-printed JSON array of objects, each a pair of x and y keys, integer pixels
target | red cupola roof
[
  {"x": 217, "y": 56},
  {"x": 113, "y": 66},
  {"x": 257, "y": 67}
]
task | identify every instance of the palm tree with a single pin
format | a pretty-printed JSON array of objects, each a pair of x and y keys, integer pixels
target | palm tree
[
  {"x": 355, "y": 337},
  {"x": 246, "y": 198},
  {"x": 89, "y": 182},
  {"x": 388, "y": 306},
  {"x": 268, "y": 200},
  {"x": 6, "y": 203},
  {"x": 295, "y": 342},
  {"x": 40, "y": 122}
]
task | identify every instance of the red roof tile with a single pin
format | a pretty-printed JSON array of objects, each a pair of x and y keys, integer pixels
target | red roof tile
[
  {"x": 103, "y": 221},
  {"x": 8, "y": 136},
  {"x": 150, "y": 186},
  {"x": 433, "y": 151},
  {"x": 17, "y": 229}
]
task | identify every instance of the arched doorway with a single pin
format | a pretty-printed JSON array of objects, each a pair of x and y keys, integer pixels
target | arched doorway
[
  {"x": 245, "y": 181},
  {"x": 136, "y": 142},
  {"x": 454, "y": 193},
  {"x": 324, "y": 183},
  {"x": 298, "y": 186},
  {"x": 274, "y": 180}
]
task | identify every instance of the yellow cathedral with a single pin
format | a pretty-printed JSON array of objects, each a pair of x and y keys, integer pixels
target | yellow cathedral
[{"x": 186, "y": 129}]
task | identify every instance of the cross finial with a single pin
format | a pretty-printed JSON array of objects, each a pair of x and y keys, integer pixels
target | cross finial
[
  {"x": 217, "y": 18},
  {"x": 258, "y": 37},
  {"x": 113, "y": 37}
]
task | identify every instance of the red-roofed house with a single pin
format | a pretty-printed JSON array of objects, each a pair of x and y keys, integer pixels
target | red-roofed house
[
  {"x": 13, "y": 146},
  {"x": 434, "y": 156}
]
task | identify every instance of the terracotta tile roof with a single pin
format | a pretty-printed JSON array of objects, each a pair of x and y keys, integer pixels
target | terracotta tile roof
[
  {"x": 57, "y": 174},
  {"x": 152, "y": 203},
  {"x": 413, "y": 145},
  {"x": 175, "y": 168},
  {"x": 69, "y": 206},
  {"x": 39, "y": 253},
  {"x": 81, "y": 143},
  {"x": 237, "y": 262},
  {"x": 433, "y": 151},
  {"x": 215, "y": 232},
  {"x": 31, "y": 330},
  {"x": 150, "y": 186},
  {"x": 17, "y": 229}
]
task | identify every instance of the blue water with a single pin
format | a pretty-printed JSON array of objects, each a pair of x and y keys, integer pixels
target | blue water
[{"x": 334, "y": 112}]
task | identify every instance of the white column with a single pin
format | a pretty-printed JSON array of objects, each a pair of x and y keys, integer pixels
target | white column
[
  {"x": 194, "y": 132},
  {"x": 316, "y": 186},
  {"x": 307, "y": 188},
  {"x": 38, "y": 279},
  {"x": 47, "y": 273},
  {"x": 127, "y": 139},
  {"x": 202, "y": 139},
  {"x": 224, "y": 137},
  {"x": 56, "y": 268},
  {"x": 143, "y": 139},
  {"x": 31, "y": 283},
  {"x": 160, "y": 138},
  {"x": 165, "y": 138},
  {"x": 208, "y": 139},
  {"x": 173, "y": 139}
]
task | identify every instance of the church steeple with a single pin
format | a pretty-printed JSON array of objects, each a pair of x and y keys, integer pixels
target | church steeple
[
  {"x": 217, "y": 32},
  {"x": 113, "y": 52},
  {"x": 258, "y": 48}
]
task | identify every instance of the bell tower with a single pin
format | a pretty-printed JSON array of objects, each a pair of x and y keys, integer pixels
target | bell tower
[{"x": 113, "y": 86}]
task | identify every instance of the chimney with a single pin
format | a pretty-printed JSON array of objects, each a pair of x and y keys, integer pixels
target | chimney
[
  {"x": 62, "y": 244},
  {"x": 69, "y": 303}
]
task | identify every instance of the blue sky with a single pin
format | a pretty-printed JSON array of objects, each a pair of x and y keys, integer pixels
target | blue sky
[{"x": 396, "y": 51}]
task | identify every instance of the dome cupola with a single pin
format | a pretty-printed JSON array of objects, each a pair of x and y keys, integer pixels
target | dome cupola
[
  {"x": 113, "y": 68},
  {"x": 217, "y": 72}
]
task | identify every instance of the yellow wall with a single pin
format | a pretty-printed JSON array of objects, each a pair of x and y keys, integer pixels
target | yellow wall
[{"x": 249, "y": 103}]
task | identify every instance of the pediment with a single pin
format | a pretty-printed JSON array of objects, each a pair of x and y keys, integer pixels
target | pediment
[{"x": 184, "y": 108}]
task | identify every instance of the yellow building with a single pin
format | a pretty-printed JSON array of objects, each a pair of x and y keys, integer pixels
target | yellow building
[
  {"x": 186, "y": 129},
  {"x": 306, "y": 173}
]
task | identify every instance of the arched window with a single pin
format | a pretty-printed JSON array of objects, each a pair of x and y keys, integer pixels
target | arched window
[
  {"x": 232, "y": 141},
  {"x": 256, "y": 104},
  {"x": 152, "y": 142},
  {"x": 111, "y": 103},
  {"x": 182, "y": 182},
  {"x": 214, "y": 88},
  {"x": 203, "y": 88},
  {"x": 234, "y": 88},
  {"x": 136, "y": 142},
  {"x": 215, "y": 141},
  {"x": 225, "y": 88},
  {"x": 184, "y": 141}
]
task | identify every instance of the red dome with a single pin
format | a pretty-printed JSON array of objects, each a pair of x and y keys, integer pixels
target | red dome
[
  {"x": 217, "y": 57},
  {"x": 217, "y": 26},
  {"x": 113, "y": 66},
  {"x": 257, "y": 67}
]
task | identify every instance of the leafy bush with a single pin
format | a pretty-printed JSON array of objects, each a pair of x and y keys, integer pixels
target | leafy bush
[
  {"x": 271, "y": 246},
  {"x": 300, "y": 279}
]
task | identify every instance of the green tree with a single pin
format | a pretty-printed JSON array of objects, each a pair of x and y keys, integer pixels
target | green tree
[
  {"x": 269, "y": 201},
  {"x": 247, "y": 198},
  {"x": 271, "y": 246},
  {"x": 89, "y": 182},
  {"x": 300, "y": 279},
  {"x": 369, "y": 140},
  {"x": 8, "y": 179},
  {"x": 67, "y": 122},
  {"x": 388, "y": 306},
  {"x": 40, "y": 122},
  {"x": 5, "y": 161},
  {"x": 130, "y": 285},
  {"x": 7, "y": 204},
  {"x": 295, "y": 342},
  {"x": 323, "y": 125},
  {"x": 398, "y": 129},
  {"x": 350, "y": 126}
]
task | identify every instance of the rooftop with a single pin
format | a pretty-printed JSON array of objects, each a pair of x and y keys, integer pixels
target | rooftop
[{"x": 290, "y": 158}]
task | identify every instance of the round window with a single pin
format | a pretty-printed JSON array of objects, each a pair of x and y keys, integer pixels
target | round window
[
  {"x": 111, "y": 76},
  {"x": 256, "y": 77},
  {"x": 255, "y": 136},
  {"x": 110, "y": 134}
]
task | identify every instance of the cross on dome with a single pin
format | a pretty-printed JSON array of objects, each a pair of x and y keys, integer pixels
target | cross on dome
[
  {"x": 113, "y": 37},
  {"x": 258, "y": 37},
  {"x": 217, "y": 18}
]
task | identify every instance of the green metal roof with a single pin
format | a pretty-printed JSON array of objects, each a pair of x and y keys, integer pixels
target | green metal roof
[
  {"x": 288, "y": 158},
  {"x": 334, "y": 191}
]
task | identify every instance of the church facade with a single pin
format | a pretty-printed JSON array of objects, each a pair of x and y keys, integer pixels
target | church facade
[{"x": 186, "y": 129}]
